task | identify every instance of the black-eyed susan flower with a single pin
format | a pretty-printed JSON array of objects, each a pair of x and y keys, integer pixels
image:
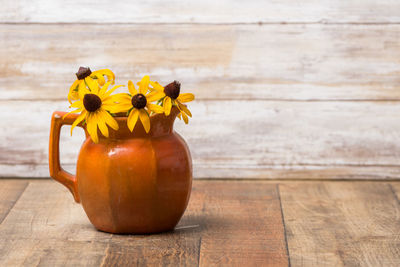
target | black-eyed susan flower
[
  {"x": 85, "y": 79},
  {"x": 94, "y": 104},
  {"x": 137, "y": 104},
  {"x": 171, "y": 96}
]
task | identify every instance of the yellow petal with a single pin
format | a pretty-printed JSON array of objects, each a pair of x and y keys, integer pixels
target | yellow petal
[
  {"x": 157, "y": 86},
  {"x": 78, "y": 120},
  {"x": 144, "y": 84},
  {"x": 74, "y": 85},
  {"x": 184, "y": 108},
  {"x": 132, "y": 119},
  {"x": 73, "y": 91},
  {"x": 187, "y": 97},
  {"x": 99, "y": 77},
  {"x": 118, "y": 103},
  {"x": 92, "y": 127},
  {"x": 167, "y": 105},
  {"x": 131, "y": 88},
  {"x": 111, "y": 91},
  {"x": 108, "y": 101},
  {"x": 71, "y": 97},
  {"x": 155, "y": 108},
  {"x": 155, "y": 95},
  {"x": 82, "y": 90},
  {"x": 93, "y": 86},
  {"x": 185, "y": 118},
  {"x": 110, "y": 120},
  {"x": 74, "y": 111},
  {"x": 108, "y": 73},
  {"x": 101, "y": 80},
  {"x": 116, "y": 108},
  {"x": 144, "y": 118},
  {"x": 77, "y": 104},
  {"x": 104, "y": 88},
  {"x": 102, "y": 122},
  {"x": 122, "y": 98}
]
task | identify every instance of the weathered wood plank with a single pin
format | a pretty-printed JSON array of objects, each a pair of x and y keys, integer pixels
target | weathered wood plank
[
  {"x": 200, "y": 11},
  {"x": 337, "y": 223},
  {"x": 243, "y": 225},
  {"x": 395, "y": 186},
  {"x": 230, "y": 232},
  {"x": 329, "y": 223},
  {"x": 10, "y": 191},
  {"x": 47, "y": 227},
  {"x": 170, "y": 249},
  {"x": 287, "y": 62},
  {"x": 256, "y": 138},
  {"x": 221, "y": 222},
  {"x": 178, "y": 248}
]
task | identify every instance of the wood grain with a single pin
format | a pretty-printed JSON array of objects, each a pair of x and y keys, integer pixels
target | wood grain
[
  {"x": 47, "y": 228},
  {"x": 171, "y": 249},
  {"x": 395, "y": 186},
  {"x": 10, "y": 191},
  {"x": 178, "y": 248},
  {"x": 226, "y": 223},
  {"x": 341, "y": 224},
  {"x": 284, "y": 90},
  {"x": 284, "y": 11},
  {"x": 259, "y": 139},
  {"x": 243, "y": 62},
  {"x": 243, "y": 225}
]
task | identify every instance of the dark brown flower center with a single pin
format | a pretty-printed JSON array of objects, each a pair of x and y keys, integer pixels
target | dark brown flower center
[
  {"x": 173, "y": 89},
  {"x": 91, "y": 102},
  {"x": 139, "y": 101},
  {"x": 83, "y": 73}
]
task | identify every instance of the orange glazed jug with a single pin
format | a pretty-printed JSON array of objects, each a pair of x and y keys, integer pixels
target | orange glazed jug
[{"x": 131, "y": 182}]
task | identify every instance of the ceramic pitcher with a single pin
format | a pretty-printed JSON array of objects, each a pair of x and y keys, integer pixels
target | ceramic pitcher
[{"x": 130, "y": 182}]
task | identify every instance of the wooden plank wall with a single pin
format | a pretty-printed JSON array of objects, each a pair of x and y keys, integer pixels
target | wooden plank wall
[{"x": 305, "y": 90}]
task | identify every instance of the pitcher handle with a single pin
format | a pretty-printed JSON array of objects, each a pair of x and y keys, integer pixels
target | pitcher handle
[{"x": 56, "y": 171}]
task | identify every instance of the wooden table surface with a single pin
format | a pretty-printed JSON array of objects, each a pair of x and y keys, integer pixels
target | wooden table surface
[{"x": 247, "y": 223}]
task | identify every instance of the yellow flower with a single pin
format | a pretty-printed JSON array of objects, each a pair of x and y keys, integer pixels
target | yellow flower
[
  {"x": 94, "y": 106},
  {"x": 172, "y": 96},
  {"x": 86, "y": 78},
  {"x": 137, "y": 103}
]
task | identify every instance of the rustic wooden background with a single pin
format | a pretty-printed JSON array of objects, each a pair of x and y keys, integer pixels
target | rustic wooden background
[{"x": 284, "y": 89}]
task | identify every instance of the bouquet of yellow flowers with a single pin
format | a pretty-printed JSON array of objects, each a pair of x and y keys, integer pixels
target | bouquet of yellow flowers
[{"x": 93, "y": 98}]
